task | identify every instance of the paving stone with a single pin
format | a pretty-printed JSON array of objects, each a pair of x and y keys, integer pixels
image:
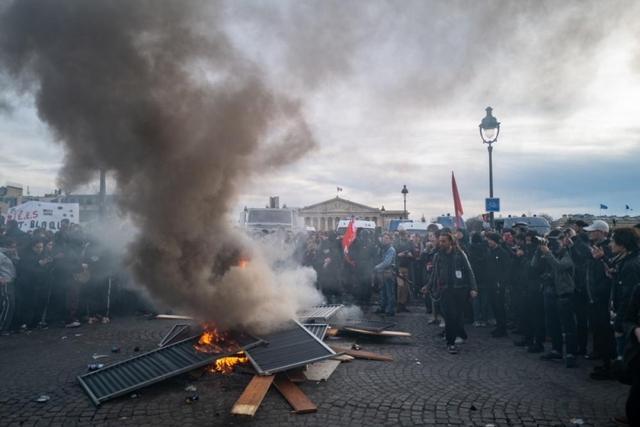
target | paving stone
[{"x": 506, "y": 385}]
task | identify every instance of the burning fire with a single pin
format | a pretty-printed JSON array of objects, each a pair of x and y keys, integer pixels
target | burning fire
[
  {"x": 213, "y": 341},
  {"x": 226, "y": 365},
  {"x": 243, "y": 263}
]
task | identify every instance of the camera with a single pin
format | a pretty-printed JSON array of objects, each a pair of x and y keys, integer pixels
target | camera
[{"x": 540, "y": 240}]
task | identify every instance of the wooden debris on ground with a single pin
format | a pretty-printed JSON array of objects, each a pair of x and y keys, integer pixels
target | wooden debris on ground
[
  {"x": 252, "y": 396},
  {"x": 173, "y": 317},
  {"x": 343, "y": 358},
  {"x": 331, "y": 332},
  {"x": 361, "y": 354},
  {"x": 382, "y": 333},
  {"x": 299, "y": 401}
]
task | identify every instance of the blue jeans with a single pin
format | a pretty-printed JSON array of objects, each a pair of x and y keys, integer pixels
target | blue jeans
[{"x": 388, "y": 294}]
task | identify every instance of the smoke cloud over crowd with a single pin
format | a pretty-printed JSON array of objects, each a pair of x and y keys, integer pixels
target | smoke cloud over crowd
[{"x": 155, "y": 93}]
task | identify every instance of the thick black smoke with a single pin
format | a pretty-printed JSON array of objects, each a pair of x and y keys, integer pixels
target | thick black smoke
[{"x": 154, "y": 92}]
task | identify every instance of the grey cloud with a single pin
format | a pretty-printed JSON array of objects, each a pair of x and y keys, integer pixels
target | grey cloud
[{"x": 428, "y": 55}]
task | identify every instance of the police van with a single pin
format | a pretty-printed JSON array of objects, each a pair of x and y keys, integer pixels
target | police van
[
  {"x": 270, "y": 220},
  {"x": 536, "y": 223},
  {"x": 419, "y": 228},
  {"x": 360, "y": 223}
]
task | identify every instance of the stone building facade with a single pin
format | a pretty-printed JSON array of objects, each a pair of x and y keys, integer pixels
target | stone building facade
[{"x": 325, "y": 215}]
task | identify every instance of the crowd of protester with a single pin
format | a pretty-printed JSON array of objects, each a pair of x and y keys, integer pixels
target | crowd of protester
[
  {"x": 63, "y": 277},
  {"x": 573, "y": 293}
]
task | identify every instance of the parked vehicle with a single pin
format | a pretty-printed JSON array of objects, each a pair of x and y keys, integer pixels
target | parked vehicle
[
  {"x": 394, "y": 223},
  {"x": 419, "y": 228},
  {"x": 360, "y": 223},
  {"x": 449, "y": 221},
  {"x": 270, "y": 219},
  {"x": 536, "y": 223}
]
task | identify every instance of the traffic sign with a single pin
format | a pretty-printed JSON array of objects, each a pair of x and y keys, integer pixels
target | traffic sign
[{"x": 492, "y": 204}]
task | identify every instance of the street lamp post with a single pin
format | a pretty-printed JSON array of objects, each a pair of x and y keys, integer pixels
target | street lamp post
[
  {"x": 489, "y": 131},
  {"x": 404, "y": 195}
]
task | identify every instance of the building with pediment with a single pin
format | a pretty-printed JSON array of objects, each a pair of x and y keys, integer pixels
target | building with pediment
[{"x": 325, "y": 215}]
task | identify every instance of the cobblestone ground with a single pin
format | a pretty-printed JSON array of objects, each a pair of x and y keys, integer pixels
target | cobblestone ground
[{"x": 489, "y": 382}]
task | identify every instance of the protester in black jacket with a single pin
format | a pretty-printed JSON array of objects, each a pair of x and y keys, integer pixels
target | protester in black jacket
[
  {"x": 632, "y": 356},
  {"x": 454, "y": 282},
  {"x": 497, "y": 269},
  {"x": 558, "y": 290},
  {"x": 478, "y": 253},
  {"x": 626, "y": 276},
  {"x": 427, "y": 257},
  {"x": 330, "y": 257},
  {"x": 31, "y": 285},
  {"x": 363, "y": 252},
  {"x": 404, "y": 258},
  {"x": 517, "y": 286},
  {"x": 581, "y": 255},
  {"x": 598, "y": 289},
  {"x": 8, "y": 260},
  {"x": 533, "y": 306}
]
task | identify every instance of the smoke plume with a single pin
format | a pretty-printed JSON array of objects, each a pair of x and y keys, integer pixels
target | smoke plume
[{"x": 154, "y": 92}]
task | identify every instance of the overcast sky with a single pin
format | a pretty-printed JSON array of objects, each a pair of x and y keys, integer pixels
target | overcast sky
[{"x": 394, "y": 92}]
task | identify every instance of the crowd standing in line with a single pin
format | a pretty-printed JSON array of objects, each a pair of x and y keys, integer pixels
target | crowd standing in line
[
  {"x": 558, "y": 293},
  {"x": 576, "y": 286},
  {"x": 64, "y": 277}
]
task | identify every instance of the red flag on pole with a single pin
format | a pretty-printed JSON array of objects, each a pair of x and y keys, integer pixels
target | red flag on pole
[
  {"x": 349, "y": 237},
  {"x": 457, "y": 203}
]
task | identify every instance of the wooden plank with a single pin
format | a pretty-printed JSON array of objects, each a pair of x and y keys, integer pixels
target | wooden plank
[
  {"x": 322, "y": 370},
  {"x": 296, "y": 398},
  {"x": 343, "y": 358},
  {"x": 379, "y": 334},
  {"x": 361, "y": 354},
  {"x": 252, "y": 396},
  {"x": 331, "y": 332},
  {"x": 173, "y": 317},
  {"x": 395, "y": 334}
]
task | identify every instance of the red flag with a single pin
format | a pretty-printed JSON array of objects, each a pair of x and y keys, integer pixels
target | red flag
[
  {"x": 457, "y": 204},
  {"x": 349, "y": 237}
]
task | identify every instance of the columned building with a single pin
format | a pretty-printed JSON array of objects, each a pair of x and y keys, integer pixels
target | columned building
[{"x": 325, "y": 215}]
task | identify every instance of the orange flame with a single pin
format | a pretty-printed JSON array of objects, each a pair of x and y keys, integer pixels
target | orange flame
[
  {"x": 226, "y": 365},
  {"x": 243, "y": 263},
  {"x": 214, "y": 341}
]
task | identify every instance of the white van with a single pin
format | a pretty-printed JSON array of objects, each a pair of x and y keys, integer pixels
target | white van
[
  {"x": 270, "y": 219},
  {"x": 419, "y": 228},
  {"x": 360, "y": 223}
]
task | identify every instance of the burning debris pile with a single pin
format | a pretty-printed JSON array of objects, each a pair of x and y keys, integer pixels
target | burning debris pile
[
  {"x": 213, "y": 341},
  {"x": 295, "y": 353}
]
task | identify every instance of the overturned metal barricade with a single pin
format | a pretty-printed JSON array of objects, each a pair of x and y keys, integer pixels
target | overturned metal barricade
[{"x": 149, "y": 368}]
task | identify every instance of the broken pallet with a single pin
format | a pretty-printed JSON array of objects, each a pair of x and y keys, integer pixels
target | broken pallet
[
  {"x": 296, "y": 398},
  {"x": 377, "y": 333},
  {"x": 252, "y": 396},
  {"x": 361, "y": 354}
]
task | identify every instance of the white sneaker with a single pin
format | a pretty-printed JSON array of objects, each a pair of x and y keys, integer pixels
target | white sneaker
[
  {"x": 441, "y": 324},
  {"x": 73, "y": 324},
  {"x": 460, "y": 340}
]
